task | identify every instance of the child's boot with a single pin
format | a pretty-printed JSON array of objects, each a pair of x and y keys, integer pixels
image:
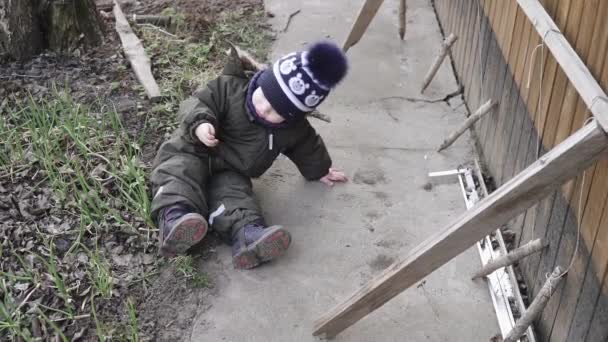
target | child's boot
[
  {"x": 180, "y": 228},
  {"x": 255, "y": 244}
]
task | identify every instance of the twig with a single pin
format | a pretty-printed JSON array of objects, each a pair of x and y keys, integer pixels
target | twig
[
  {"x": 402, "y": 18},
  {"x": 446, "y": 98},
  {"x": 152, "y": 19},
  {"x": 19, "y": 75},
  {"x": 73, "y": 318},
  {"x": 27, "y": 297},
  {"x": 162, "y": 31},
  {"x": 537, "y": 306},
  {"x": 470, "y": 121},
  {"x": 511, "y": 257},
  {"x": 445, "y": 48},
  {"x": 318, "y": 115},
  {"x": 289, "y": 20},
  {"x": 13, "y": 172}
]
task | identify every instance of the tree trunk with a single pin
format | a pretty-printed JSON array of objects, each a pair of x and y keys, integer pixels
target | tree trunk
[
  {"x": 20, "y": 33},
  {"x": 29, "y": 26}
]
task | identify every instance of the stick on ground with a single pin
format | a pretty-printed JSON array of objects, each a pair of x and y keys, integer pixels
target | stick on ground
[
  {"x": 402, "y": 18},
  {"x": 537, "y": 306},
  {"x": 445, "y": 48},
  {"x": 136, "y": 55},
  {"x": 470, "y": 121},
  {"x": 511, "y": 258},
  {"x": 158, "y": 20},
  {"x": 289, "y": 20}
]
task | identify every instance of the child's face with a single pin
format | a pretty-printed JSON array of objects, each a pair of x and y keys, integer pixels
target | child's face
[{"x": 264, "y": 109}]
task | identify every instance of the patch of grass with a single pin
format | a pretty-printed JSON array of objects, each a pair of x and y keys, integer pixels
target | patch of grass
[
  {"x": 184, "y": 265},
  {"x": 134, "y": 337},
  {"x": 90, "y": 160},
  {"x": 12, "y": 320},
  {"x": 99, "y": 273},
  {"x": 93, "y": 167},
  {"x": 184, "y": 64}
]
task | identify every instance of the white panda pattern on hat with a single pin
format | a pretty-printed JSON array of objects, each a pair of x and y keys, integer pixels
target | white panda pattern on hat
[{"x": 300, "y": 81}]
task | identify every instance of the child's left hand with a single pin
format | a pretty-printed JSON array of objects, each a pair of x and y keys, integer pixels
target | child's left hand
[{"x": 333, "y": 176}]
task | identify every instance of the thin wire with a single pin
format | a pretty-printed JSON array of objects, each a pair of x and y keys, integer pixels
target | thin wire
[
  {"x": 580, "y": 215},
  {"x": 479, "y": 49}
]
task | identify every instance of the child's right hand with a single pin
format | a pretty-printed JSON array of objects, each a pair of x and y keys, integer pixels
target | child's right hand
[{"x": 205, "y": 132}]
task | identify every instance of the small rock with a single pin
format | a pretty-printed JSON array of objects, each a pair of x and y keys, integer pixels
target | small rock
[
  {"x": 270, "y": 14},
  {"x": 428, "y": 187}
]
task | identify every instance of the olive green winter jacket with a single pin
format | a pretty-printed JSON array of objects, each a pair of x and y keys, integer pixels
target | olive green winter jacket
[{"x": 245, "y": 145}]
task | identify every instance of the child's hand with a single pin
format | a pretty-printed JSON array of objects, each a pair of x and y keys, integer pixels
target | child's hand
[
  {"x": 333, "y": 176},
  {"x": 205, "y": 132}
]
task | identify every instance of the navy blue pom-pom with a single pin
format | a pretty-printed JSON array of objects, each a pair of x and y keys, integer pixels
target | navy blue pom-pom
[{"x": 327, "y": 63}]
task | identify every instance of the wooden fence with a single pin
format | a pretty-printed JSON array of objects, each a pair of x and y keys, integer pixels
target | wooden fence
[{"x": 499, "y": 55}]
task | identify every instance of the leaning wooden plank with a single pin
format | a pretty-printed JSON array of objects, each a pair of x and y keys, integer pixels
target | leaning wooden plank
[
  {"x": 548, "y": 173},
  {"x": 445, "y": 48},
  {"x": 136, "y": 55},
  {"x": 470, "y": 121},
  {"x": 576, "y": 70},
  {"x": 366, "y": 14},
  {"x": 402, "y": 18},
  {"x": 511, "y": 257},
  {"x": 537, "y": 306}
]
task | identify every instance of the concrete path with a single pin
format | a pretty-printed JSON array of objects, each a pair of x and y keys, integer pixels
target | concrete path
[{"x": 345, "y": 235}]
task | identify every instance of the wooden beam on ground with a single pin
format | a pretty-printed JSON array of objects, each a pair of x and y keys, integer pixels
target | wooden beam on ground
[
  {"x": 445, "y": 48},
  {"x": 537, "y": 306},
  {"x": 365, "y": 16},
  {"x": 511, "y": 257},
  {"x": 560, "y": 164},
  {"x": 470, "y": 121},
  {"x": 576, "y": 70},
  {"x": 136, "y": 55}
]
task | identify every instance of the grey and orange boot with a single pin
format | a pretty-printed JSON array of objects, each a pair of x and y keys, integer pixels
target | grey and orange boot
[
  {"x": 180, "y": 228},
  {"x": 255, "y": 244}
]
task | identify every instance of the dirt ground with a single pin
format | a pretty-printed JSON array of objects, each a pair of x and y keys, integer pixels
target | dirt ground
[{"x": 96, "y": 275}]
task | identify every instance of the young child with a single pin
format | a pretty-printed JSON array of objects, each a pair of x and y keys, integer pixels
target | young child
[{"x": 232, "y": 131}]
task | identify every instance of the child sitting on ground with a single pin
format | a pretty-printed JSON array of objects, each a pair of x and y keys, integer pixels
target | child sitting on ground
[{"x": 232, "y": 131}]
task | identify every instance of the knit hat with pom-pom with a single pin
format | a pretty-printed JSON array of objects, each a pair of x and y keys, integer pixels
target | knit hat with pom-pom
[{"x": 298, "y": 82}]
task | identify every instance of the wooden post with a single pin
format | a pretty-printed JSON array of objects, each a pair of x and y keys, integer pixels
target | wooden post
[
  {"x": 366, "y": 14},
  {"x": 537, "y": 306},
  {"x": 136, "y": 55},
  {"x": 470, "y": 121},
  {"x": 560, "y": 164},
  {"x": 445, "y": 48},
  {"x": 572, "y": 65},
  {"x": 402, "y": 18},
  {"x": 511, "y": 258}
]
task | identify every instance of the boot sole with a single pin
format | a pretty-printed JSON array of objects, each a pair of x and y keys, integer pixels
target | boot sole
[
  {"x": 187, "y": 232},
  {"x": 271, "y": 245}
]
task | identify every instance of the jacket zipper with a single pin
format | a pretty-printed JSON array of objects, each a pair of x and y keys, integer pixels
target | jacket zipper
[{"x": 270, "y": 139}]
